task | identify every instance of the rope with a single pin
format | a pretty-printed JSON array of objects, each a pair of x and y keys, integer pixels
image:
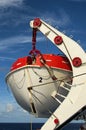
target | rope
[
  {"x": 39, "y": 75},
  {"x": 22, "y": 80},
  {"x": 56, "y": 34},
  {"x": 31, "y": 123},
  {"x": 43, "y": 103},
  {"x": 44, "y": 84},
  {"x": 67, "y": 51},
  {"x": 48, "y": 68}
]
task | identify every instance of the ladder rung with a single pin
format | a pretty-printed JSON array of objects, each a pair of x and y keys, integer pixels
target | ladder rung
[
  {"x": 64, "y": 85},
  {"x": 61, "y": 95},
  {"x": 58, "y": 97}
]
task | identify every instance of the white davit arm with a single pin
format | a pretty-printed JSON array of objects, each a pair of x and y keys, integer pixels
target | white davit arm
[{"x": 76, "y": 99}]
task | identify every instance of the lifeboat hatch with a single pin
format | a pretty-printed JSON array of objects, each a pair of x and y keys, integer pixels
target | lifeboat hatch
[{"x": 33, "y": 109}]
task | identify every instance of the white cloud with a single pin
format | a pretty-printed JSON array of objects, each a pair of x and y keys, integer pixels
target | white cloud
[
  {"x": 18, "y": 13},
  {"x": 6, "y": 58},
  {"x": 11, "y": 41},
  {"x": 59, "y": 19},
  {"x": 7, "y": 3},
  {"x": 16, "y": 40},
  {"x": 9, "y": 107}
]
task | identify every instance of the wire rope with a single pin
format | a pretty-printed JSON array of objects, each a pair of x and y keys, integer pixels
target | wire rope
[
  {"x": 44, "y": 105},
  {"x": 19, "y": 82}
]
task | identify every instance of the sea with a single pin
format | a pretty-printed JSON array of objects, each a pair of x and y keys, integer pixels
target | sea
[{"x": 34, "y": 126}]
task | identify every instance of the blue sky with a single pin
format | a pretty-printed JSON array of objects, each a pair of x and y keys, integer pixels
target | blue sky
[{"x": 69, "y": 16}]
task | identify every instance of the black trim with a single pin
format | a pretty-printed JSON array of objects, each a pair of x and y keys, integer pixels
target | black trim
[
  {"x": 32, "y": 103},
  {"x": 71, "y": 118}
]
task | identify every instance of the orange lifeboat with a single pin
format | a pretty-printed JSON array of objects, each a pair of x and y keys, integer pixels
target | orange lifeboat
[{"x": 38, "y": 80}]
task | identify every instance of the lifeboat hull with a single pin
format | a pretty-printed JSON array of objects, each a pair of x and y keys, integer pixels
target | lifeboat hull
[{"x": 33, "y": 86}]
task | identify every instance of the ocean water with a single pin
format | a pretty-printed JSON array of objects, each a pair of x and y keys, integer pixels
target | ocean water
[{"x": 35, "y": 126}]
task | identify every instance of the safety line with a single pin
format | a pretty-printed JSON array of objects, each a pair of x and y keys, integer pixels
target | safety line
[
  {"x": 44, "y": 105},
  {"x": 57, "y": 34}
]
